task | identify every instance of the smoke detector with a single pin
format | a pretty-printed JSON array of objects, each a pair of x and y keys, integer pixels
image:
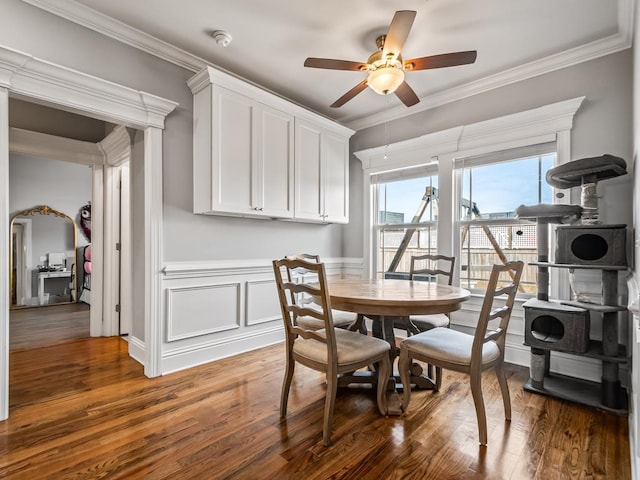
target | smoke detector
[{"x": 222, "y": 38}]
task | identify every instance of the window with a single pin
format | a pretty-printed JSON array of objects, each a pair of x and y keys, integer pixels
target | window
[
  {"x": 406, "y": 219},
  {"x": 490, "y": 189}
]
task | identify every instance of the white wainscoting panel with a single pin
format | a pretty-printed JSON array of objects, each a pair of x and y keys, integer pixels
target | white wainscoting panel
[
  {"x": 202, "y": 310},
  {"x": 262, "y": 302},
  {"x": 217, "y": 309}
]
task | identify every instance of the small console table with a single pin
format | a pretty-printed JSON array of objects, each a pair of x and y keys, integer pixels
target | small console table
[{"x": 42, "y": 276}]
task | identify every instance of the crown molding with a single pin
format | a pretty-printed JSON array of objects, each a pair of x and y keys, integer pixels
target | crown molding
[
  {"x": 82, "y": 15},
  {"x": 26, "y": 75},
  {"x": 538, "y": 125},
  {"x": 85, "y": 16},
  {"x": 599, "y": 48},
  {"x": 116, "y": 147}
]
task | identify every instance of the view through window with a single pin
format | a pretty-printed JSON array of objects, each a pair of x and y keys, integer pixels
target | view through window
[
  {"x": 489, "y": 190},
  {"x": 407, "y": 219},
  {"x": 489, "y": 233}
]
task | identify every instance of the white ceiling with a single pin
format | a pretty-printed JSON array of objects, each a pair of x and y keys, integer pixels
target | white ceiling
[{"x": 515, "y": 39}]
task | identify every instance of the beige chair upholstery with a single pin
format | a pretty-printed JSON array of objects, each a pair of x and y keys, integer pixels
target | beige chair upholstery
[
  {"x": 471, "y": 354},
  {"x": 330, "y": 350},
  {"x": 430, "y": 265},
  {"x": 341, "y": 319}
]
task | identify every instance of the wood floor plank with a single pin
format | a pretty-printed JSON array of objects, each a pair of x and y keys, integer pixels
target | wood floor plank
[{"x": 82, "y": 408}]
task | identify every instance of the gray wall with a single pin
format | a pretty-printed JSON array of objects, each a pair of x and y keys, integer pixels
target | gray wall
[
  {"x": 187, "y": 237},
  {"x": 602, "y": 125},
  {"x": 63, "y": 186}
]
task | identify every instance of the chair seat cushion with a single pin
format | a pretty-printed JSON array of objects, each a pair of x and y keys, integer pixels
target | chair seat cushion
[
  {"x": 427, "y": 322},
  {"x": 340, "y": 319},
  {"x": 448, "y": 345},
  {"x": 353, "y": 347}
]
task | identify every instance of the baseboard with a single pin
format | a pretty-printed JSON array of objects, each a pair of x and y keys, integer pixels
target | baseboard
[
  {"x": 136, "y": 349},
  {"x": 193, "y": 355}
]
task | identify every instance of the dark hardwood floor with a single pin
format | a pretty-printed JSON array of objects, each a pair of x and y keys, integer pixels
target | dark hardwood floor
[
  {"x": 30, "y": 327},
  {"x": 83, "y": 409}
]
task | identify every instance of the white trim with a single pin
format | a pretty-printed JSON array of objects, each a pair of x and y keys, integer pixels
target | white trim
[
  {"x": 68, "y": 89},
  {"x": 153, "y": 208},
  {"x": 213, "y": 76},
  {"x": 599, "y": 48},
  {"x": 27, "y": 242},
  {"x": 193, "y": 355},
  {"x": 116, "y": 147},
  {"x": 171, "y": 322},
  {"x": 82, "y": 15},
  {"x": 80, "y": 93},
  {"x": 96, "y": 317},
  {"x": 137, "y": 349},
  {"x": 214, "y": 268},
  {"x": 4, "y": 253},
  {"x": 248, "y": 310},
  {"x": 538, "y": 125}
]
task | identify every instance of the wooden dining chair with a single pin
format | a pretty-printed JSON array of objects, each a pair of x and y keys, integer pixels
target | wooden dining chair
[
  {"x": 422, "y": 265},
  {"x": 341, "y": 319},
  {"x": 471, "y": 354},
  {"x": 330, "y": 350}
]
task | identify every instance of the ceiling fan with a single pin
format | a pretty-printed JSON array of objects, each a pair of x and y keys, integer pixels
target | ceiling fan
[{"x": 386, "y": 67}]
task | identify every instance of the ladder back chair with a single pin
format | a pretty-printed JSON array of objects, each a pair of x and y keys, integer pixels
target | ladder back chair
[
  {"x": 330, "y": 350},
  {"x": 341, "y": 319},
  {"x": 471, "y": 354},
  {"x": 430, "y": 265}
]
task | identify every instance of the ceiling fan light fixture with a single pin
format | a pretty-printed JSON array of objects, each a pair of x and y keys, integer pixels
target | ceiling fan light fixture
[{"x": 385, "y": 80}]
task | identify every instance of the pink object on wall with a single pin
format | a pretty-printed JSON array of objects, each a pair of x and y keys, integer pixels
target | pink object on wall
[{"x": 87, "y": 259}]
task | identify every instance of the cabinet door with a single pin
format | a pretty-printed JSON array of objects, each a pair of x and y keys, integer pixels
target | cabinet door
[
  {"x": 335, "y": 178},
  {"x": 273, "y": 177},
  {"x": 308, "y": 186},
  {"x": 232, "y": 152}
]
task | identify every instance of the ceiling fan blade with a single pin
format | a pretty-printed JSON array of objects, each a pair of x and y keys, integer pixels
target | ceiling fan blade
[
  {"x": 398, "y": 33},
  {"x": 406, "y": 94},
  {"x": 350, "y": 94},
  {"x": 334, "y": 64},
  {"x": 441, "y": 61}
]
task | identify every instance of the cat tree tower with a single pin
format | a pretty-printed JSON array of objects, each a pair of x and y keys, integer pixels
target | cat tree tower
[{"x": 564, "y": 326}]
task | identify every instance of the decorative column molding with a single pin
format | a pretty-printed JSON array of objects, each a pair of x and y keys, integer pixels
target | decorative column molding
[
  {"x": 4, "y": 252},
  {"x": 153, "y": 304}
]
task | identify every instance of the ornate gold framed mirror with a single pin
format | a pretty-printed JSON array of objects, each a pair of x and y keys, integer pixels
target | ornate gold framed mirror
[{"x": 42, "y": 258}]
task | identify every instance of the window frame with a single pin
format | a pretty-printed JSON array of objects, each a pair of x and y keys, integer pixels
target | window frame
[
  {"x": 548, "y": 123},
  {"x": 424, "y": 171}
]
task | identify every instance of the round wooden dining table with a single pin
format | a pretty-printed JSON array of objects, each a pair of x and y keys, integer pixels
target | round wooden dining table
[
  {"x": 394, "y": 297},
  {"x": 387, "y": 301}
]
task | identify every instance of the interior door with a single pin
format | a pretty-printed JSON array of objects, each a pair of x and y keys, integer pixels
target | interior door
[
  {"x": 17, "y": 266},
  {"x": 125, "y": 271}
]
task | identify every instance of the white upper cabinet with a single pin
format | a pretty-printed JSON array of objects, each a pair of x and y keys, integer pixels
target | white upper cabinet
[
  {"x": 322, "y": 174},
  {"x": 243, "y": 157},
  {"x": 256, "y": 154}
]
